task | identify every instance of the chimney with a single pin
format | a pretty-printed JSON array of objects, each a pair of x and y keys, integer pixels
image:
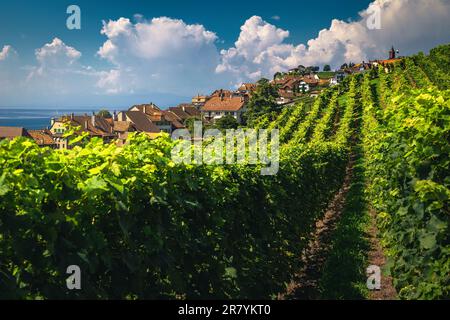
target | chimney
[
  {"x": 93, "y": 119},
  {"x": 86, "y": 124},
  {"x": 114, "y": 115},
  {"x": 72, "y": 116},
  {"x": 145, "y": 108}
]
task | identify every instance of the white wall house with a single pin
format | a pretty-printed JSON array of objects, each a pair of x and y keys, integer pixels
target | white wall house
[{"x": 220, "y": 106}]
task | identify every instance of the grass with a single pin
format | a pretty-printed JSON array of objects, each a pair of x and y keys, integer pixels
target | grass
[{"x": 326, "y": 74}]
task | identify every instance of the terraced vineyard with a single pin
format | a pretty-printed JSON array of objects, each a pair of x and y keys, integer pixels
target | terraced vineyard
[{"x": 141, "y": 226}]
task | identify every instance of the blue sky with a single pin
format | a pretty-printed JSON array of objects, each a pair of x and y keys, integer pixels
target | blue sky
[
  {"x": 199, "y": 46},
  {"x": 26, "y": 25}
]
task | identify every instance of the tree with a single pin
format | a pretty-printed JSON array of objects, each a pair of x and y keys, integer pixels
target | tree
[
  {"x": 263, "y": 101},
  {"x": 104, "y": 113},
  {"x": 344, "y": 66},
  {"x": 189, "y": 124},
  {"x": 312, "y": 69},
  {"x": 262, "y": 81},
  {"x": 326, "y": 68},
  {"x": 227, "y": 122}
]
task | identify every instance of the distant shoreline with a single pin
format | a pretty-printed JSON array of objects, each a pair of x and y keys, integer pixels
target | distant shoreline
[{"x": 37, "y": 118}]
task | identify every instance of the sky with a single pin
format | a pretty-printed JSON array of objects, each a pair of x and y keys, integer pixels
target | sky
[{"x": 139, "y": 51}]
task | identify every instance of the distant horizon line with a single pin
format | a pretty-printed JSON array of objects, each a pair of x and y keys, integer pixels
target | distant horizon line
[{"x": 88, "y": 108}]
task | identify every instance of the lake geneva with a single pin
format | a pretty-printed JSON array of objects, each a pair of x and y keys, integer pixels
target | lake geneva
[{"x": 35, "y": 118}]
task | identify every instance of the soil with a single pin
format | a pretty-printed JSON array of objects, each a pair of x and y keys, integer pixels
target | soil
[
  {"x": 305, "y": 283},
  {"x": 376, "y": 257}
]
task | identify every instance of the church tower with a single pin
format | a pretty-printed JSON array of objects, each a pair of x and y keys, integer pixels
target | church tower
[{"x": 392, "y": 53}]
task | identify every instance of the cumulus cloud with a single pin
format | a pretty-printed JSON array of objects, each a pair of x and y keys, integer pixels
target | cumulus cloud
[
  {"x": 164, "y": 56},
  {"x": 57, "y": 49},
  {"x": 7, "y": 52},
  {"x": 58, "y": 71},
  {"x": 411, "y": 25},
  {"x": 160, "y": 55},
  {"x": 9, "y": 70}
]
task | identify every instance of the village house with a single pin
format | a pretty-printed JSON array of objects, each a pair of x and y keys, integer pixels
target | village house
[
  {"x": 311, "y": 79},
  {"x": 121, "y": 129},
  {"x": 199, "y": 101},
  {"x": 393, "y": 58},
  {"x": 247, "y": 89},
  {"x": 13, "y": 132},
  {"x": 291, "y": 85},
  {"x": 338, "y": 77},
  {"x": 223, "y": 103},
  {"x": 139, "y": 121},
  {"x": 94, "y": 125},
  {"x": 285, "y": 97},
  {"x": 171, "y": 119},
  {"x": 43, "y": 138},
  {"x": 222, "y": 93},
  {"x": 156, "y": 116},
  {"x": 185, "y": 111}
]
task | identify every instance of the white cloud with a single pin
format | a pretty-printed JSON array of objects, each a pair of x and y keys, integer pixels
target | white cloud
[
  {"x": 7, "y": 52},
  {"x": 276, "y": 17},
  {"x": 410, "y": 25},
  {"x": 57, "y": 50},
  {"x": 59, "y": 72},
  {"x": 55, "y": 56},
  {"x": 161, "y": 55},
  {"x": 9, "y": 70},
  {"x": 165, "y": 57}
]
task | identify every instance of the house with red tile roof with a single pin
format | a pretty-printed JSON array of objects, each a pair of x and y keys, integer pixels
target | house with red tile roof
[
  {"x": 13, "y": 132},
  {"x": 285, "y": 97},
  {"x": 140, "y": 121},
  {"x": 247, "y": 88},
  {"x": 199, "y": 101},
  {"x": 219, "y": 106},
  {"x": 94, "y": 125},
  {"x": 43, "y": 138},
  {"x": 170, "y": 119}
]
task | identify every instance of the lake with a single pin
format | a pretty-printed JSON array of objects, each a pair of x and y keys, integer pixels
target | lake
[{"x": 35, "y": 118}]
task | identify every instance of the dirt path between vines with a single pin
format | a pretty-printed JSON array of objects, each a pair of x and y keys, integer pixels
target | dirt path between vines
[
  {"x": 376, "y": 257},
  {"x": 305, "y": 283}
]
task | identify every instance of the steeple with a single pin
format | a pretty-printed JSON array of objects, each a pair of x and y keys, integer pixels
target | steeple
[{"x": 392, "y": 53}]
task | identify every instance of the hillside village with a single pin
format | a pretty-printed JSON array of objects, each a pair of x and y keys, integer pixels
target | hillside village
[{"x": 151, "y": 120}]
